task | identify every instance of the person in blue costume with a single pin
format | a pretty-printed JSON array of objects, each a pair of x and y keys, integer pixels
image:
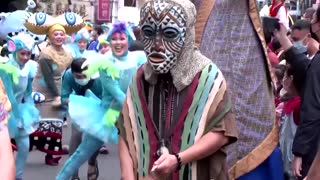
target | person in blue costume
[
  {"x": 75, "y": 81},
  {"x": 79, "y": 44},
  {"x": 95, "y": 117},
  {"x": 24, "y": 116},
  {"x": 97, "y": 31}
]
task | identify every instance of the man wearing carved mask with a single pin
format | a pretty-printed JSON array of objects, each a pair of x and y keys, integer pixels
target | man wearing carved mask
[{"x": 177, "y": 119}]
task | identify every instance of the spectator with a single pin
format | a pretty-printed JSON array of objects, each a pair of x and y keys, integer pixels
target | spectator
[
  {"x": 289, "y": 120},
  {"x": 93, "y": 45},
  {"x": 136, "y": 45},
  {"x": 301, "y": 38},
  {"x": 306, "y": 73},
  {"x": 279, "y": 10},
  {"x": 308, "y": 14}
]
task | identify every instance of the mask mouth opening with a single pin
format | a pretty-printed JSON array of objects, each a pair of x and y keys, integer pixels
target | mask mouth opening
[{"x": 157, "y": 58}]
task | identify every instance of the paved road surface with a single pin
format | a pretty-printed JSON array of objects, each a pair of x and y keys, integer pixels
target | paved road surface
[{"x": 37, "y": 170}]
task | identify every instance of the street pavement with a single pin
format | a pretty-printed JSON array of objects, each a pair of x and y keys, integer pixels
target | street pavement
[{"x": 36, "y": 169}]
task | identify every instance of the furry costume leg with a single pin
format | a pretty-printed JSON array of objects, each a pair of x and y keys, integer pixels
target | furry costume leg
[{"x": 23, "y": 144}]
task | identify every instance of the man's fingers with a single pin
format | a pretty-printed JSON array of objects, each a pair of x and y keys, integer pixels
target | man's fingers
[
  {"x": 299, "y": 173},
  {"x": 160, "y": 160},
  {"x": 296, "y": 171}
]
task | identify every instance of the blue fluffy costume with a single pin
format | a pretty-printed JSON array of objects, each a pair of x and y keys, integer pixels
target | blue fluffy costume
[
  {"x": 73, "y": 47},
  {"x": 95, "y": 117},
  {"x": 24, "y": 116}
]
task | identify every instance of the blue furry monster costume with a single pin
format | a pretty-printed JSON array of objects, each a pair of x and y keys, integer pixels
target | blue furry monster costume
[
  {"x": 17, "y": 76},
  {"x": 95, "y": 117}
]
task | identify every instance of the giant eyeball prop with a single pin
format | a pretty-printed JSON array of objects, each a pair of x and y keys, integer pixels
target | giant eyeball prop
[
  {"x": 70, "y": 18},
  {"x": 72, "y": 22},
  {"x": 40, "y": 18},
  {"x": 39, "y": 23}
]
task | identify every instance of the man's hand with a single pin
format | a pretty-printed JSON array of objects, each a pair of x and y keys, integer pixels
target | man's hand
[
  {"x": 164, "y": 166},
  {"x": 296, "y": 166}
]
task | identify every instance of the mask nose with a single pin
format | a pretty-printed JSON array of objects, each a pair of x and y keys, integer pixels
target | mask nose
[{"x": 158, "y": 45}]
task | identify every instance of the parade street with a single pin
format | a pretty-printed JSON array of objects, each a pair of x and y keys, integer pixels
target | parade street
[{"x": 37, "y": 170}]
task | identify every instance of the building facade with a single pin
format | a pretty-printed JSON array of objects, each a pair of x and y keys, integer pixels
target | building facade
[{"x": 85, "y": 8}]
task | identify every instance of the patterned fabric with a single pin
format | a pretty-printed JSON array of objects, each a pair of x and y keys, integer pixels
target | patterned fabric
[
  {"x": 48, "y": 137},
  {"x": 233, "y": 39},
  {"x": 195, "y": 111}
]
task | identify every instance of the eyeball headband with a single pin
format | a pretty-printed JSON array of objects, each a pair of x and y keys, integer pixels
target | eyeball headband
[{"x": 42, "y": 23}]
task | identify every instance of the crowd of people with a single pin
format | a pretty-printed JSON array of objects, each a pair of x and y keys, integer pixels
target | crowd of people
[
  {"x": 294, "y": 57},
  {"x": 149, "y": 90}
]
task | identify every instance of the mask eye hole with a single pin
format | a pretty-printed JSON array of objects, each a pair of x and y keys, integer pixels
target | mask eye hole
[
  {"x": 148, "y": 31},
  {"x": 170, "y": 33}
]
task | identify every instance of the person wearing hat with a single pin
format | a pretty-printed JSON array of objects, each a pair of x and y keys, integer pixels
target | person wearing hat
[
  {"x": 53, "y": 61},
  {"x": 104, "y": 45}
]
